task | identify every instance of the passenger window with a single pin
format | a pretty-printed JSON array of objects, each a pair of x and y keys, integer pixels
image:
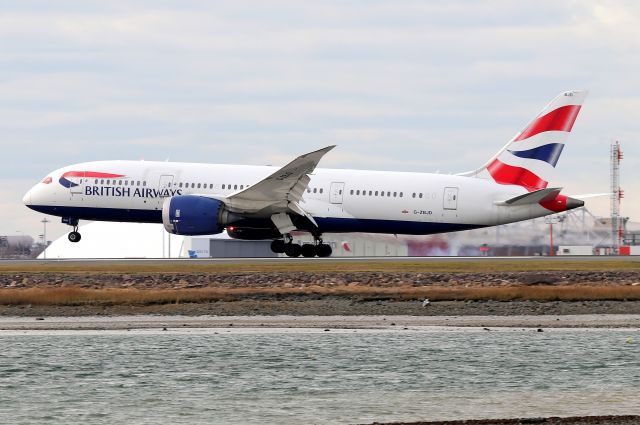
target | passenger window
[
  {"x": 413, "y": 195},
  {"x": 193, "y": 185},
  {"x": 144, "y": 183},
  {"x": 179, "y": 184},
  {"x": 235, "y": 187},
  {"x": 320, "y": 190},
  {"x": 401, "y": 194},
  {"x": 223, "y": 186},
  {"x": 351, "y": 192},
  {"x": 211, "y": 186},
  {"x": 420, "y": 196},
  {"x": 96, "y": 181},
  {"x": 370, "y": 193},
  {"x": 315, "y": 190},
  {"x": 119, "y": 182},
  {"x": 394, "y": 194},
  {"x": 101, "y": 181},
  {"x": 376, "y": 193},
  {"x": 382, "y": 193},
  {"x": 357, "y": 192},
  {"x": 388, "y": 193},
  {"x": 198, "y": 185}
]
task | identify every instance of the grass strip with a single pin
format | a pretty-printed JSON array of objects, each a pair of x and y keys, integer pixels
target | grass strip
[{"x": 129, "y": 296}]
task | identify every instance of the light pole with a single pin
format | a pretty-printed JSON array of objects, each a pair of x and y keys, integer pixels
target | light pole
[
  {"x": 551, "y": 220},
  {"x": 44, "y": 237}
]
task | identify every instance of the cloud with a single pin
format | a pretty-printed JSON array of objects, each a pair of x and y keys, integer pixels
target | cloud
[{"x": 419, "y": 86}]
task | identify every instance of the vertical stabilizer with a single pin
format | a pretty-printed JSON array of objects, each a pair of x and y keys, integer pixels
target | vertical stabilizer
[{"x": 530, "y": 157}]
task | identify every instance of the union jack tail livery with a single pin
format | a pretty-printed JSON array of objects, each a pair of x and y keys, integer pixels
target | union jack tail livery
[{"x": 530, "y": 157}]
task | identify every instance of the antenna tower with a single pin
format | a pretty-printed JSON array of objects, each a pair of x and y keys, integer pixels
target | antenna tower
[{"x": 617, "y": 231}]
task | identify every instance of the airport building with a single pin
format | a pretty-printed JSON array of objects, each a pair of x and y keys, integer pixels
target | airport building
[{"x": 574, "y": 233}]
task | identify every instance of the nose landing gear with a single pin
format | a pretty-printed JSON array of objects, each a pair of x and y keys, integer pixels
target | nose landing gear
[{"x": 74, "y": 236}]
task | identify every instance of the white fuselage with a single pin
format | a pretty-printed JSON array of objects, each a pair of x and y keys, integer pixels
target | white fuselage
[{"x": 339, "y": 200}]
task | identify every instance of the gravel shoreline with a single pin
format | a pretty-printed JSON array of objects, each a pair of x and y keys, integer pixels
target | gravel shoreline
[
  {"x": 334, "y": 306},
  {"x": 321, "y": 323}
]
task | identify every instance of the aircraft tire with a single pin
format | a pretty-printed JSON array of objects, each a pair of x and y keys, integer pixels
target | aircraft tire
[
  {"x": 278, "y": 246},
  {"x": 74, "y": 237},
  {"x": 324, "y": 250},
  {"x": 293, "y": 250},
  {"x": 308, "y": 250}
]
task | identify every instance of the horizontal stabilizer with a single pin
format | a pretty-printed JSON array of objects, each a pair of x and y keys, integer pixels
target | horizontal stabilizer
[{"x": 536, "y": 197}]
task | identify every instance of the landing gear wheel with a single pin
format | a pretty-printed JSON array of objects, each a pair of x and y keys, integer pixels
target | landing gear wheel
[
  {"x": 74, "y": 236},
  {"x": 324, "y": 250},
  {"x": 293, "y": 250},
  {"x": 278, "y": 246},
  {"x": 308, "y": 250}
]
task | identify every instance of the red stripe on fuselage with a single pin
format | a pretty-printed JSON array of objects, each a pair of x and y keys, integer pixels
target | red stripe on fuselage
[
  {"x": 560, "y": 119},
  {"x": 508, "y": 174},
  {"x": 91, "y": 174}
]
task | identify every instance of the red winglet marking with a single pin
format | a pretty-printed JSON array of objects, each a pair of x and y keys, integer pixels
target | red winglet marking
[
  {"x": 508, "y": 174},
  {"x": 560, "y": 119}
]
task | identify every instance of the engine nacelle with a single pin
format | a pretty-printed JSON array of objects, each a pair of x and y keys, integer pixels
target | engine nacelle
[{"x": 193, "y": 215}]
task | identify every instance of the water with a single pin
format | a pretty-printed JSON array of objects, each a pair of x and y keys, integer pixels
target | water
[{"x": 285, "y": 376}]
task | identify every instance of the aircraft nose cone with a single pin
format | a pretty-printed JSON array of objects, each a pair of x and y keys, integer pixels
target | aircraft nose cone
[{"x": 26, "y": 199}]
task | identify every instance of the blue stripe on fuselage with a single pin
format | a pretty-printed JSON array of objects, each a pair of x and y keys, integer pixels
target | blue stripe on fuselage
[
  {"x": 326, "y": 224},
  {"x": 549, "y": 153},
  {"x": 101, "y": 214},
  {"x": 346, "y": 225}
]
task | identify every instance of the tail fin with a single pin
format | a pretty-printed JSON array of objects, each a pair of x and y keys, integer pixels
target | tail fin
[{"x": 528, "y": 160}]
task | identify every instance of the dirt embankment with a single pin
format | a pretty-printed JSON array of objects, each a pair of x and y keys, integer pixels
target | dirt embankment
[
  {"x": 321, "y": 293},
  {"x": 316, "y": 279}
]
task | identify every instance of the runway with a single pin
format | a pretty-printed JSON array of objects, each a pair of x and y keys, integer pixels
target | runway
[{"x": 315, "y": 261}]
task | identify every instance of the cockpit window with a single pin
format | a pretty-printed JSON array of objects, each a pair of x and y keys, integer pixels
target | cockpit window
[{"x": 47, "y": 180}]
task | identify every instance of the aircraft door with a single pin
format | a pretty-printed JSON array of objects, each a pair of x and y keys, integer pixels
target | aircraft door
[
  {"x": 450, "y": 201},
  {"x": 336, "y": 193},
  {"x": 164, "y": 187},
  {"x": 76, "y": 181},
  {"x": 450, "y": 205},
  {"x": 166, "y": 182}
]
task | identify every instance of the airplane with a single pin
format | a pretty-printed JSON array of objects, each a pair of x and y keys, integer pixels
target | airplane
[{"x": 266, "y": 202}]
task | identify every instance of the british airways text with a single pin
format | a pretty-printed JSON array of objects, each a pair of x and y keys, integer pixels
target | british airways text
[{"x": 138, "y": 192}]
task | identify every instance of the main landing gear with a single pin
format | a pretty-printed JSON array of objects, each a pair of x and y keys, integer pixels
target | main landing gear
[
  {"x": 308, "y": 250},
  {"x": 74, "y": 236}
]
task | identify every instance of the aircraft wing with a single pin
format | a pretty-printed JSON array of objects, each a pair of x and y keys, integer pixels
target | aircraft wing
[{"x": 281, "y": 191}]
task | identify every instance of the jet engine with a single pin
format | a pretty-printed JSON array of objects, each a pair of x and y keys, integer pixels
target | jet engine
[{"x": 193, "y": 215}]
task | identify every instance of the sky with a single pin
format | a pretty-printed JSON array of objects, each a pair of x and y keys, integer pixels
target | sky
[{"x": 397, "y": 85}]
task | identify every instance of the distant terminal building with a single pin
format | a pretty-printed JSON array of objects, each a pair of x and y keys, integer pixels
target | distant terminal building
[{"x": 573, "y": 233}]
